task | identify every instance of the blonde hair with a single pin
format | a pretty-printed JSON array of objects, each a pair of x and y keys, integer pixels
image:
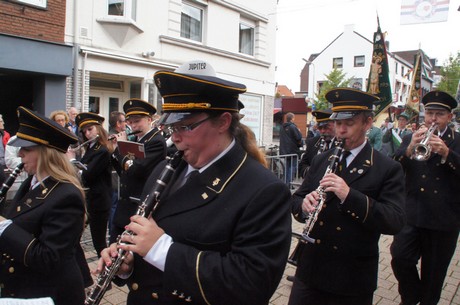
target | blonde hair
[
  {"x": 57, "y": 166},
  {"x": 247, "y": 139},
  {"x": 59, "y": 112}
]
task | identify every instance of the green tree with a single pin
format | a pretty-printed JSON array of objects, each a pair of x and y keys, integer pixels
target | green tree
[
  {"x": 337, "y": 78},
  {"x": 450, "y": 73}
]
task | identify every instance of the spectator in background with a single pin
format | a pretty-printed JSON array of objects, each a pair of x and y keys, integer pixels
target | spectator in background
[
  {"x": 72, "y": 115},
  {"x": 290, "y": 143},
  {"x": 4, "y": 137},
  {"x": 117, "y": 124},
  {"x": 12, "y": 160},
  {"x": 394, "y": 136},
  {"x": 61, "y": 117}
]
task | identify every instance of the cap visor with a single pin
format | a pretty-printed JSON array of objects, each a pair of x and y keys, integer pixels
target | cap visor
[
  {"x": 21, "y": 143},
  {"x": 323, "y": 123},
  {"x": 174, "y": 117},
  {"x": 436, "y": 107},
  {"x": 342, "y": 115}
]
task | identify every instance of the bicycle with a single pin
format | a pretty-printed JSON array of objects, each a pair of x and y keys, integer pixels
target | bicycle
[{"x": 275, "y": 164}]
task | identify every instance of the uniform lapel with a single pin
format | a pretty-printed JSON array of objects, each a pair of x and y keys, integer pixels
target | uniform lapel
[
  {"x": 448, "y": 137},
  {"x": 360, "y": 165},
  {"x": 32, "y": 198},
  {"x": 203, "y": 188}
]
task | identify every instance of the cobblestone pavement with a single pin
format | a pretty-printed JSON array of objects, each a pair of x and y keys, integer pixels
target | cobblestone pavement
[{"x": 386, "y": 293}]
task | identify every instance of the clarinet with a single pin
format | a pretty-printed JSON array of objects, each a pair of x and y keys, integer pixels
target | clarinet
[
  {"x": 10, "y": 180},
  {"x": 148, "y": 206},
  {"x": 322, "y": 146},
  {"x": 313, "y": 216}
]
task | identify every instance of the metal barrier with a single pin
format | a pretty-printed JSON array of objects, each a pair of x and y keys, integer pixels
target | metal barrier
[{"x": 285, "y": 167}]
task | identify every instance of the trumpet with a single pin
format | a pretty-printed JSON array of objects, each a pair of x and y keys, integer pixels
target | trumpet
[
  {"x": 422, "y": 151},
  {"x": 84, "y": 143},
  {"x": 113, "y": 137}
]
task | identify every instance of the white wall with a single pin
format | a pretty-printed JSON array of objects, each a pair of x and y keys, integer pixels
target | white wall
[{"x": 116, "y": 48}]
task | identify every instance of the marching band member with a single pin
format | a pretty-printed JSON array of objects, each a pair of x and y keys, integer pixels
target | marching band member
[
  {"x": 319, "y": 144},
  {"x": 432, "y": 205},
  {"x": 41, "y": 228},
  {"x": 134, "y": 172},
  {"x": 96, "y": 177},
  {"x": 222, "y": 235},
  {"x": 364, "y": 200}
]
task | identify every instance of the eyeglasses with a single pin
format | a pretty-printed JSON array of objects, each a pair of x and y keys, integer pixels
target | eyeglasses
[{"x": 183, "y": 128}]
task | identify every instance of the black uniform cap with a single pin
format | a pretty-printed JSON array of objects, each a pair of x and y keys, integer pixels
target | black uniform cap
[
  {"x": 439, "y": 100},
  {"x": 322, "y": 116},
  {"x": 86, "y": 118},
  {"x": 194, "y": 87},
  {"x": 348, "y": 102},
  {"x": 36, "y": 129},
  {"x": 136, "y": 106}
]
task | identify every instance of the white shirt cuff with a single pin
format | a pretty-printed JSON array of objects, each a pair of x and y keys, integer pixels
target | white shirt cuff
[
  {"x": 157, "y": 254},
  {"x": 4, "y": 224}
]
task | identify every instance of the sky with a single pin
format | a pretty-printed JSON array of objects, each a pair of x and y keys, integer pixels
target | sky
[{"x": 305, "y": 27}]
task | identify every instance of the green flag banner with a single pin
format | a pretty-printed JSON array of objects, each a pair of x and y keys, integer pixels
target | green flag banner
[{"x": 379, "y": 78}]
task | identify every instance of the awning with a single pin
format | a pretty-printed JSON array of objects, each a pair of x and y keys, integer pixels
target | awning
[{"x": 276, "y": 110}]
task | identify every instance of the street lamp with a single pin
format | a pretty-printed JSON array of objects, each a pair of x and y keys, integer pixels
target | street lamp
[{"x": 313, "y": 85}]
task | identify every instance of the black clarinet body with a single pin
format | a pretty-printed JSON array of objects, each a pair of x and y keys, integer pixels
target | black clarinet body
[
  {"x": 304, "y": 237},
  {"x": 145, "y": 209},
  {"x": 9, "y": 181}
]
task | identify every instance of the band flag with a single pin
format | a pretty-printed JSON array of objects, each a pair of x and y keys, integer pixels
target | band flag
[
  {"x": 424, "y": 11},
  {"x": 413, "y": 99},
  {"x": 379, "y": 78}
]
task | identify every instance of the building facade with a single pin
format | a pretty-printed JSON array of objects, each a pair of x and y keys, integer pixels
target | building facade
[
  {"x": 94, "y": 55},
  {"x": 120, "y": 44},
  {"x": 35, "y": 61},
  {"x": 352, "y": 53}
]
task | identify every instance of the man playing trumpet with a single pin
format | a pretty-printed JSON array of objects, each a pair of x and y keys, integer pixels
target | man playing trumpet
[
  {"x": 364, "y": 199},
  {"x": 432, "y": 204}
]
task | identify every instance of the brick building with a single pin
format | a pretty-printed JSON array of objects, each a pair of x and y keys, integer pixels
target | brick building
[{"x": 34, "y": 60}]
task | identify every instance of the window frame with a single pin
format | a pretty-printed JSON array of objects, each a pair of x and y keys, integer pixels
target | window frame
[
  {"x": 129, "y": 10},
  {"x": 201, "y": 21},
  {"x": 335, "y": 61},
  {"x": 361, "y": 63},
  {"x": 252, "y": 27}
]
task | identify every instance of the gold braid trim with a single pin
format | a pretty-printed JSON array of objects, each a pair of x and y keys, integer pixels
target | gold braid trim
[
  {"x": 27, "y": 250},
  {"x": 170, "y": 106},
  {"x": 33, "y": 139},
  {"x": 349, "y": 107},
  {"x": 367, "y": 209},
  {"x": 198, "y": 277},
  {"x": 84, "y": 123},
  {"x": 437, "y": 103}
]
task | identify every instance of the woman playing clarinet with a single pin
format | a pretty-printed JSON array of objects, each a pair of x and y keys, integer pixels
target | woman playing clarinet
[{"x": 41, "y": 229}]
